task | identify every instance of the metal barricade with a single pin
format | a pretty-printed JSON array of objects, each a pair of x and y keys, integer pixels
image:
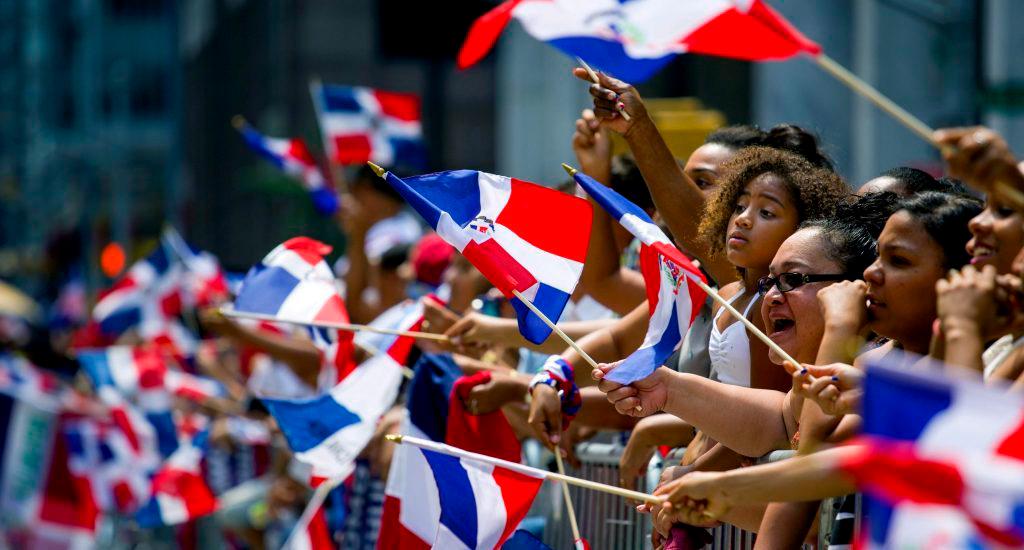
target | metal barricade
[{"x": 608, "y": 522}]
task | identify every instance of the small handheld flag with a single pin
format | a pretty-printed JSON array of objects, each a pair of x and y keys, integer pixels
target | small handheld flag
[
  {"x": 292, "y": 157},
  {"x": 521, "y": 236},
  {"x": 363, "y": 124},
  {"x": 673, "y": 298}
]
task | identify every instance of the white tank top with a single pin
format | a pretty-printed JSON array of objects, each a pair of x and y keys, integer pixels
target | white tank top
[{"x": 730, "y": 349}]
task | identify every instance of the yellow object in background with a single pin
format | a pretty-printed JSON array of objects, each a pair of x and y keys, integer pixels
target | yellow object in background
[{"x": 683, "y": 122}]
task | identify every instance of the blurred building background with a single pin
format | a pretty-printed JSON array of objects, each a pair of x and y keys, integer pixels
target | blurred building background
[{"x": 115, "y": 114}]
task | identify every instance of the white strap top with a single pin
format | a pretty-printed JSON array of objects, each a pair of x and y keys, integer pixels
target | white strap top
[{"x": 730, "y": 348}]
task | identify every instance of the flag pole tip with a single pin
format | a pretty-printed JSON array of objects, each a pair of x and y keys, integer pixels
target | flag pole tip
[
  {"x": 238, "y": 121},
  {"x": 377, "y": 169},
  {"x": 571, "y": 171},
  {"x": 394, "y": 438}
]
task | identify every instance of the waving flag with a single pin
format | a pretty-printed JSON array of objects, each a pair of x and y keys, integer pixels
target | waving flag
[
  {"x": 943, "y": 461},
  {"x": 363, "y": 124},
  {"x": 292, "y": 157},
  {"x": 405, "y": 316},
  {"x": 122, "y": 374},
  {"x": 293, "y": 283},
  {"x": 519, "y": 235},
  {"x": 203, "y": 282},
  {"x": 633, "y": 39},
  {"x": 673, "y": 299},
  {"x": 179, "y": 492},
  {"x": 149, "y": 292},
  {"x": 328, "y": 432},
  {"x": 427, "y": 493},
  {"x": 106, "y": 465}
]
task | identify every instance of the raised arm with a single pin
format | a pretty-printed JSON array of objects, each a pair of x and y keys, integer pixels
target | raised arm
[
  {"x": 603, "y": 277},
  {"x": 679, "y": 200}
]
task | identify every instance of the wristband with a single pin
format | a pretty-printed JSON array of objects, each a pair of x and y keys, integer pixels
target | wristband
[{"x": 558, "y": 374}]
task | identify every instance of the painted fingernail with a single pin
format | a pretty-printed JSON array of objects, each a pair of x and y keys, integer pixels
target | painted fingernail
[
  {"x": 803, "y": 372},
  {"x": 835, "y": 378},
  {"x": 611, "y": 95}
]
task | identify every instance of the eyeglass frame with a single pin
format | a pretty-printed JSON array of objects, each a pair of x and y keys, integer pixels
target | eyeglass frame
[{"x": 764, "y": 284}]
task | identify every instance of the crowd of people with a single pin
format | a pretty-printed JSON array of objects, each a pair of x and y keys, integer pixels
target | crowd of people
[{"x": 906, "y": 267}]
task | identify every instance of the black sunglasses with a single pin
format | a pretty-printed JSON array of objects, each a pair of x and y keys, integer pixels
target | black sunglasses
[{"x": 790, "y": 280}]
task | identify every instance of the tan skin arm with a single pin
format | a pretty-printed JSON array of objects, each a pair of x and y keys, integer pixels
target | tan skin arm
[
  {"x": 675, "y": 196},
  {"x": 301, "y": 356}
]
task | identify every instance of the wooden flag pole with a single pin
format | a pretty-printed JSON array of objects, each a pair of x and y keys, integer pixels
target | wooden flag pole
[
  {"x": 339, "y": 326},
  {"x": 728, "y": 307},
  {"x": 568, "y": 499},
  {"x": 565, "y": 337},
  {"x": 1008, "y": 193},
  {"x": 523, "y": 469},
  {"x": 596, "y": 80}
]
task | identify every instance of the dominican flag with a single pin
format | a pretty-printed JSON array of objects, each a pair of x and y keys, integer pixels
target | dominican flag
[
  {"x": 203, "y": 282},
  {"x": 149, "y": 292},
  {"x": 633, "y": 39},
  {"x": 20, "y": 379},
  {"x": 434, "y": 500},
  {"x": 519, "y": 235},
  {"x": 673, "y": 299},
  {"x": 405, "y": 316},
  {"x": 293, "y": 283},
  {"x": 942, "y": 462},
  {"x": 106, "y": 465},
  {"x": 329, "y": 432},
  {"x": 292, "y": 157},
  {"x": 179, "y": 492},
  {"x": 363, "y": 124},
  {"x": 125, "y": 374}
]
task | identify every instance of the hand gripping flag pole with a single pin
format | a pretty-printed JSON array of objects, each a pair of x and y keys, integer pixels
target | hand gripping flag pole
[
  {"x": 494, "y": 270},
  {"x": 527, "y": 470},
  {"x": 1008, "y": 193}
]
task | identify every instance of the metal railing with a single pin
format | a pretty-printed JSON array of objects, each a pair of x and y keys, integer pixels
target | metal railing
[{"x": 608, "y": 522}]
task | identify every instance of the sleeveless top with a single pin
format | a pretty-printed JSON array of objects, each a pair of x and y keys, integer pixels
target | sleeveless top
[{"x": 730, "y": 349}]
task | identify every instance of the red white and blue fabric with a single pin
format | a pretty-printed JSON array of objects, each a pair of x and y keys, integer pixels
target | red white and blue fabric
[
  {"x": 22, "y": 380},
  {"x": 329, "y": 432},
  {"x": 106, "y": 465},
  {"x": 315, "y": 536},
  {"x": 434, "y": 500},
  {"x": 179, "y": 493},
  {"x": 405, "y": 316},
  {"x": 673, "y": 299},
  {"x": 204, "y": 282},
  {"x": 941, "y": 462},
  {"x": 558, "y": 373},
  {"x": 149, "y": 292},
  {"x": 633, "y": 39},
  {"x": 363, "y": 124},
  {"x": 292, "y": 157},
  {"x": 126, "y": 374},
  {"x": 519, "y": 235},
  {"x": 293, "y": 283}
]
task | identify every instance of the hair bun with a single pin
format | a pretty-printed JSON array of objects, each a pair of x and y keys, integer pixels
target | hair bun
[{"x": 795, "y": 139}]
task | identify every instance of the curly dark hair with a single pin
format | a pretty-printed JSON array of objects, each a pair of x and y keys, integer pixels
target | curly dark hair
[{"x": 815, "y": 191}]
